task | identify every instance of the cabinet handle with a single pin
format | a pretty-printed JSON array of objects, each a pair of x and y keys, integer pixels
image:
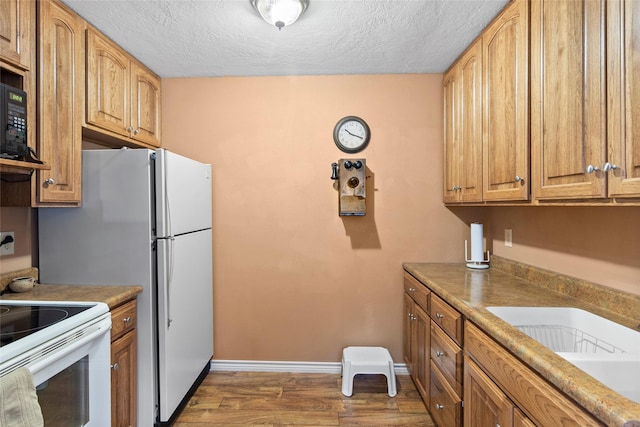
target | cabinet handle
[
  {"x": 439, "y": 354},
  {"x": 129, "y": 129},
  {"x": 50, "y": 181},
  {"x": 439, "y": 316},
  {"x": 519, "y": 179},
  {"x": 412, "y": 289},
  {"x": 439, "y": 406},
  {"x": 592, "y": 169},
  {"x": 608, "y": 166},
  {"x": 137, "y": 131},
  {"x": 115, "y": 366},
  {"x": 126, "y": 320}
]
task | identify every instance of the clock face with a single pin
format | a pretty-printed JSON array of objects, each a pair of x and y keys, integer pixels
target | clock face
[{"x": 351, "y": 134}]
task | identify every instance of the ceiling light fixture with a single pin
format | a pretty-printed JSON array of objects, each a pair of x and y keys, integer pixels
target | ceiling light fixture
[{"x": 280, "y": 13}]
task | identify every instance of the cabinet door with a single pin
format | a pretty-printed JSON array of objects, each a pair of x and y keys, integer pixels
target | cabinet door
[
  {"x": 16, "y": 20},
  {"x": 60, "y": 104},
  {"x": 463, "y": 128},
  {"x": 124, "y": 386},
  {"x": 505, "y": 101},
  {"x": 421, "y": 345},
  {"x": 485, "y": 405},
  {"x": 451, "y": 191},
  {"x": 108, "y": 85},
  {"x": 568, "y": 122},
  {"x": 470, "y": 104},
  {"x": 407, "y": 326},
  {"x": 145, "y": 105},
  {"x": 623, "y": 51}
]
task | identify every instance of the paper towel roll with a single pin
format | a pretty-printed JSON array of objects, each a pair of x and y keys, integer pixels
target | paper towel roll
[{"x": 477, "y": 236}]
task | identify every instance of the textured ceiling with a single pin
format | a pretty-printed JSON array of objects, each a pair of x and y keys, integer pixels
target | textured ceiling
[{"x": 190, "y": 38}]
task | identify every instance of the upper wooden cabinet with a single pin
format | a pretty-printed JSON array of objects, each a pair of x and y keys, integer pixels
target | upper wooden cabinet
[
  {"x": 568, "y": 108},
  {"x": 505, "y": 105},
  {"x": 623, "y": 84},
  {"x": 463, "y": 128},
  {"x": 123, "y": 97},
  {"x": 16, "y": 20},
  {"x": 60, "y": 104}
]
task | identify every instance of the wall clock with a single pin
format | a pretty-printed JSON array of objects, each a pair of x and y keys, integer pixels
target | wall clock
[{"x": 351, "y": 134}]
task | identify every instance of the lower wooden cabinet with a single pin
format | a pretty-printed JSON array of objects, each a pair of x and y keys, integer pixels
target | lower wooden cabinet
[
  {"x": 494, "y": 378},
  {"x": 416, "y": 342},
  {"x": 432, "y": 331},
  {"x": 124, "y": 387},
  {"x": 445, "y": 404},
  {"x": 485, "y": 403}
]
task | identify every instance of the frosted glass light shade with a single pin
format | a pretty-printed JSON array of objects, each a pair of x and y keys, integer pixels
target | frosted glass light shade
[{"x": 280, "y": 13}]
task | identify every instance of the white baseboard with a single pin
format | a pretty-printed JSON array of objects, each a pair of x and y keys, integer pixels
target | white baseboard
[{"x": 297, "y": 367}]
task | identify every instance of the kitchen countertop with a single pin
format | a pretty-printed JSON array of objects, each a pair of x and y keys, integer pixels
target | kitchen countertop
[
  {"x": 113, "y": 296},
  {"x": 508, "y": 283}
]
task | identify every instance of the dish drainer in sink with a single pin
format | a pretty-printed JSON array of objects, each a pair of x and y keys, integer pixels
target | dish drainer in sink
[{"x": 567, "y": 339}]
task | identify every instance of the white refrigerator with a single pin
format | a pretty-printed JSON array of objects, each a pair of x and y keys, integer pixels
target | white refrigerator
[{"x": 145, "y": 220}]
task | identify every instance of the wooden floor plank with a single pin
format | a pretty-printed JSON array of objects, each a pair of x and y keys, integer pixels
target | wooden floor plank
[{"x": 268, "y": 399}]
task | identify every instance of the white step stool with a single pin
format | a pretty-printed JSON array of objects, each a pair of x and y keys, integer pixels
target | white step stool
[{"x": 367, "y": 360}]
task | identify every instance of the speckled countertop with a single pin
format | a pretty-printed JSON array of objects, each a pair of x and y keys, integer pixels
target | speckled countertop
[
  {"x": 507, "y": 283},
  {"x": 113, "y": 296}
]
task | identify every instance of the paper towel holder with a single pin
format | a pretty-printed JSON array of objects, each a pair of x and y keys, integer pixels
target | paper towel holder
[{"x": 477, "y": 261}]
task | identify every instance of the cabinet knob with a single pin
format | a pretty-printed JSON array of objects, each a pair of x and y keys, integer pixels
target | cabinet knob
[
  {"x": 439, "y": 316},
  {"x": 439, "y": 354},
  {"x": 137, "y": 131},
  {"x": 412, "y": 289},
  {"x": 608, "y": 166},
  {"x": 129, "y": 129},
  {"x": 115, "y": 366},
  {"x": 126, "y": 320},
  {"x": 50, "y": 181},
  {"x": 519, "y": 179},
  {"x": 592, "y": 169},
  {"x": 439, "y": 406}
]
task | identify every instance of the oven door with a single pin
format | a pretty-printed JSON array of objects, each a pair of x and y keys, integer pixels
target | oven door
[{"x": 72, "y": 375}]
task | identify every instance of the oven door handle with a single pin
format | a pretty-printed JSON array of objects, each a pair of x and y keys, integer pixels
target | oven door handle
[{"x": 46, "y": 356}]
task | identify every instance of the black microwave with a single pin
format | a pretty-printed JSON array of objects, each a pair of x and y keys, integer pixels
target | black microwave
[{"x": 13, "y": 122}]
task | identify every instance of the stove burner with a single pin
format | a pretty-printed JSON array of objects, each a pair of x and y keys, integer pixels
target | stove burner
[{"x": 18, "y": 321}]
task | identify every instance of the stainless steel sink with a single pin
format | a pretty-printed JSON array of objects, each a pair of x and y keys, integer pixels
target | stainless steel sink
[{"x": 606, "y": 350}]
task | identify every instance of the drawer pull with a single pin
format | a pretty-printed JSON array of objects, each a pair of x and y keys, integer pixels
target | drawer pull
[
  {"x": 439, "y": 406},
  {"x": 439, "y": 316},
  {"x": 127, "y": 319},
  {"x": 412, "y": 289},
  {"x": 115, "y": 366},
  {"x": 439, "y": 354}
]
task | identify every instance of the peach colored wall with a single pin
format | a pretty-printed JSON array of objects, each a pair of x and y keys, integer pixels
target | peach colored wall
[
  {"x": 293, "y": 281},
  {"x": 21, "y": 222},
  {"x": 599, "y": 244}
]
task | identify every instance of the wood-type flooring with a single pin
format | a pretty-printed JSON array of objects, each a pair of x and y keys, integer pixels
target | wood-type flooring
[{"x": 294, "y": 399}]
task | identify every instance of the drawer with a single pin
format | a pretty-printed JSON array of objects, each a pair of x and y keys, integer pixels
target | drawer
[
  {"x": 123, "y": 319},
  {"x": 418, "y": 291},
  {"x": 447, "y": 355},
  {"x": 447, "y": 318},
  {"x": 445, "y": 405}
]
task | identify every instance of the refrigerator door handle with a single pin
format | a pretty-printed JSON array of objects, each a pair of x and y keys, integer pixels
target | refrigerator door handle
[
  {"x": 169, "y": 260},
  {"x": 170, "y": 281}
]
